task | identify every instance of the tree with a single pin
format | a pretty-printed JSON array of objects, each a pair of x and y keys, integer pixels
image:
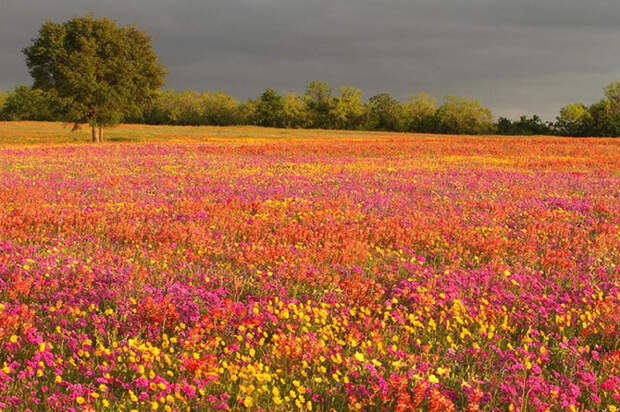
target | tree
[
  {"x": 533, "y": 126},
  {"x": 248, "y": 112},
  {"x": 26, "y": 103},
  {"x": 605, "y": 115},
  {"x": 505, "y": 126},
  {"x": 220, "y": 109},
  {"x": 385, "y": 113},
  {"x": 95, "y": 71},
  {"x": 574, "y": 120},
  {"x": 524, "y": 126},
  {"x": 604, "y": 119},
  {"x": 271, "y": 109},
  {"x": 295, "y": 111},
  {"x": 3, "y": 96},
  {"x": 420, "y": 113},
  {"x": 612, "y": 93},
  {"x": 320, "y": 102},
  {"x": 159, "y": 110},
  {"x": 348, "y": 110},
  {"x": 186, "y": 108},
  {"x": 463, "y": 116}
]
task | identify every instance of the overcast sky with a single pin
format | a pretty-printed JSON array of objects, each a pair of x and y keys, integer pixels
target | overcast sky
[{"x": 515, "y": 56}]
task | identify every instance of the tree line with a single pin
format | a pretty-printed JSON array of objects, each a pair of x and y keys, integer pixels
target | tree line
[
  {"x": 323, "y": 107},
  {"x": 89, "y": 70}
]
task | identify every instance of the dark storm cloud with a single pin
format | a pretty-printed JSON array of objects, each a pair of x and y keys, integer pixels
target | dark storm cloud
[{"x": 516, "y": 56}]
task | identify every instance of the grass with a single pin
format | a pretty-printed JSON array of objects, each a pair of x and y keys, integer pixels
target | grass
[{"x": 27, "y": 132}]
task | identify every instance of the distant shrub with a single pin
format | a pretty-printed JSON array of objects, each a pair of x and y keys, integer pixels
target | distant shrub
[
  {"x": 461, "y": 115},
  {"x": 26, "y": 103},
  {"x": 525, "y": 126}
]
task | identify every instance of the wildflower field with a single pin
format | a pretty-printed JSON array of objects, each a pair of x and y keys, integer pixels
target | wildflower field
[{"x": 246, "y": 268}]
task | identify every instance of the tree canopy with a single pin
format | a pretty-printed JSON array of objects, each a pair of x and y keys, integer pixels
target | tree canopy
[
  {"x": 461, "y": 115},
  {"x": 348, "y": 110},
  {"x": 385, "y": 112},
  {"x": 94, "y": 71},
  {"x": 319, "y": 102},
  {"x": 606, "y": 113},
  {"x": 26, "y": 103},
  {"x": 3, "y": 96},
  {"x": 420, "y": 113},
  {"x": 271, "y": 109},
  {"x": 574, "y": 119}
]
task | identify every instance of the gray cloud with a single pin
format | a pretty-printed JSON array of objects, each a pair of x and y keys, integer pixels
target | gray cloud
[{"x": 516, "y": 56}]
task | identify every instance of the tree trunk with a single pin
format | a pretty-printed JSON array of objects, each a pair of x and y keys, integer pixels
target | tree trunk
[
  {"x": 100, "y": 134},
  {"x": 94, "y": 133}
]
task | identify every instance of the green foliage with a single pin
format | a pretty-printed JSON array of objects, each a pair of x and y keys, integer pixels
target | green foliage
[
  {"x": 612, "y": 94},
  {"x": 270, "y": 109},
  {"x": 159, "y": 111},
  {"x": 347, "y": 111},
  {"x": 26, "y": 103},
  {"x": 295, "y": 111},
  {"x": 248, "y": 112},
  {"x": 605, "y": 115},
  {"x": 3, "y": 96},
  {"x": 420, "y": 112},
  {"x": 385, "y": 113},
  {"x": 574, "y": 120},
  {"x": 95, "y": 71},
  {"x": 191, "y": 108},
  {"x": 604, "y": 119},
  {"x": 220, "y": 109},
  {"x": 525, "y": 126},
  {"x": 186, "y": 108},
  {"x": 461, "y": 115},
  {"x": 320, "y": 103}
]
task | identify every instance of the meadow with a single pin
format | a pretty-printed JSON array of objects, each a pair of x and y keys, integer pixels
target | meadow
[{"x": 243, "y": 268}]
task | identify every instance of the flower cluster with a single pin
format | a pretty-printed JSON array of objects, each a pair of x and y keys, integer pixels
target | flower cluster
[{"x": 436, "y": 274}]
